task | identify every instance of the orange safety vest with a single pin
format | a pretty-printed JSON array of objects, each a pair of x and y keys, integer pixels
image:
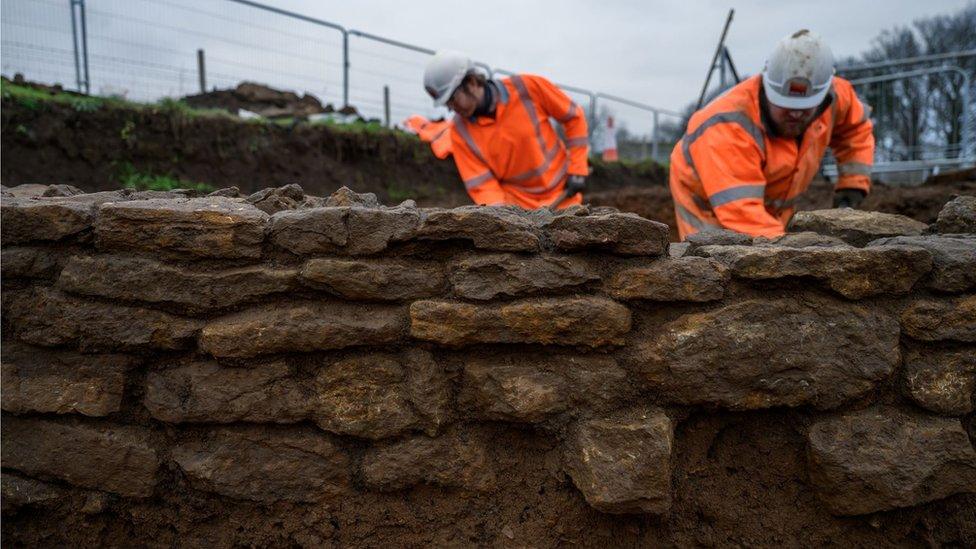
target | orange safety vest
[
  {"x": 730, "y": 171},
  {"x": 438, "y": 134},
  {"x": 516, "y": 157}
]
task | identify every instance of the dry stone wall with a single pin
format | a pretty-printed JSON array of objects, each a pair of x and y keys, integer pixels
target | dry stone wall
[{"x": 158, "y": 346}]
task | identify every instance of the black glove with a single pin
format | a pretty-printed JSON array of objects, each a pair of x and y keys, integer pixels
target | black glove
[
  {"x": 848, "y": 198},
  {"x": 575, "y": 185}
]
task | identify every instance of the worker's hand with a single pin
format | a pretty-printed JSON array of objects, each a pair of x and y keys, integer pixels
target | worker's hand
[
  {"x": 575, "y": 185},
  {"x": 848, "y": 198}
]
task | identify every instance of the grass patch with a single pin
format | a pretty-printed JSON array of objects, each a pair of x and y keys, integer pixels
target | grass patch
[{"x": 130, "y": 178}]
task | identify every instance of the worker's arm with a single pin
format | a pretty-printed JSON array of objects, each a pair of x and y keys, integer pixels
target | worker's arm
[
  {"x": 553, "y": 102},
  {"x": 852, "y": 140},
  {"x": 478, "y": 179},
  {"x": 729, "y": 163}
]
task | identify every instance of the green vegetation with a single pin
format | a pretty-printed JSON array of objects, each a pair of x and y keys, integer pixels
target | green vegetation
[{"x": 130, "y": 178}]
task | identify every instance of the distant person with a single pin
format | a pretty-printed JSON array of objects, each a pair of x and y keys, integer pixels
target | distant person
[
  {"x": 751, "y": 152},
  {"x": 609, "y": 142},
  {"x": 505, "y": 149}
]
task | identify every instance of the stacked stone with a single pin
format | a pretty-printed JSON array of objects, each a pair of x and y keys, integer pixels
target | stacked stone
[{"x": 336, "y": 347}]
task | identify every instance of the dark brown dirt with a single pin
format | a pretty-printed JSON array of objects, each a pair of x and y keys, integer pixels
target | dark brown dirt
[{"x": 739, "y": 481}]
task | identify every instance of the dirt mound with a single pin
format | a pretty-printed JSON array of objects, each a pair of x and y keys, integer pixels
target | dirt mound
[{"x": 263, "y": 100}]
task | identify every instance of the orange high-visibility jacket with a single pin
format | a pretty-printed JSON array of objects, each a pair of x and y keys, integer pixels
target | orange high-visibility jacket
[
  {"x": 517, "y": 157},
  {"x": 729, "y": 171},
  {"x": 438, "y": 134}
]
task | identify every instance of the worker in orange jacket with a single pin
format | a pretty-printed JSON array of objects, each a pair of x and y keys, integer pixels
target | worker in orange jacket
[
  {"x": 749, "y": 154},
  {"x": 505, "y": 149}
]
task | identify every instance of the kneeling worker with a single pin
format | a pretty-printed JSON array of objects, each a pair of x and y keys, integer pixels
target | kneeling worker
[
  {"x": 505, "y": 149},
  {"x": 751, "y": 152}
]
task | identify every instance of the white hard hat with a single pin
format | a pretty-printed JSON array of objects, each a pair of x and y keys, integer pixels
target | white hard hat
[
  {"x": 799, "y": 72},
  {"x": 444, "y": 74}
]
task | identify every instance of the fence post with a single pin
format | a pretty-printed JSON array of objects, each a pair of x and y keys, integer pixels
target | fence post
[
  {"x": 345, "y": 68},
  {"x": 84, "y": 45},
  {"x": 202, "y": 72},
  {"x": 74, "y": 45},
  {"x": 386, "y": 105},
  {"x": 654, "y": 136}
]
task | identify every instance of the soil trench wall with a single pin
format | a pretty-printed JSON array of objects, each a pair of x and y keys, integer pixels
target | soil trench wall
[{"x": 197, "y": 371}]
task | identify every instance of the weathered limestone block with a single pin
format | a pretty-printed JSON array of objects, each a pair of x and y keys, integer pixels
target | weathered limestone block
[
  {"x": 61, "y": 382},
  {"x": 43, "y": 219},
  {"x": 301, "y": 327},
  {"x": 800, "y": 240},
  {"x": 271, "y": 200},
  {"x": 266, "y": 465},
  {"x": 588, "y": 321},
  {"x": 620, "y": 233},
  {"x": 31, "y": 262},
  {"x": 487, "y": 276},
  {"x": 380, "y": 395},
  {"x": 207, "y": 392},
  {"x": 854, "y": 273},
  {"x": 937, "y": 320},
  {"x": 531, "y": 388},
  {"x": 454, "y": 460},
  {"x": 48, "y": 317},
  {"x": 380, "y": 279},
  {"x": 716, "y": 237},
  {"x": 208, "y": 227},
  {"x": 505, "y": 229},
  {"x": 776, "y": 352},
  {"x": 137, "y": 279},
  {"x": 943, "y": 381},
  {"x": 880, "y": 459},
  {"x": 953, "y": 257},
  {"x": 958, "y": 216},
  {"x": 622, "y": 464},
  {"x": 351, "y": 230},
  {"x": 856, "y": 227},
  {"x": 674, "y": 279},
  {"x": 115, "y": 459},
  {"x": 17, "y": 491},
  {"x": 345, "y": 196}
]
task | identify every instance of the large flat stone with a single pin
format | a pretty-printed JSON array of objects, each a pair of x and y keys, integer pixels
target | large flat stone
[
  {"x": 854, "y": 273},
  {"x": 622, "y": 464},
  {"x": 32, "y": 262},
  {"x": 953, "y": 257},
  {"x": 209, "y": 227},
  {"x": 61, "y": 382},
  {"x": 958, "y": 216},
  {"x": 48, "y": 317},
  {"x": 619, "y": 233},
  {"x": 375, "y": 280},
  {"x": 929, "y": 319},
  {"x": 206, "y": 392},
  {"x": 138, "y": 279},
  {"x": 302, "y": 327},
  {"x": 454, "y": 460},
  {"x": 591, "y": 321},
  {"x": 881, "y": 459},
  {"x": 856, "y": 227},
  {"x": 266, "y": 465},
  {"x": 771, "y": 352},
  {"x": 941, "y": 380},
  {"x": 115, "y": 459},
  {"x": 533, "y": 387},
  {"x": 489, "y": 228},
  {"x": 485, "y": 277},
  {"x": 43, "y": 219},
  {"x": 344, "y": 229},
  {"x": 380, "y": 395},
  {"x": 674, "y": 279}
]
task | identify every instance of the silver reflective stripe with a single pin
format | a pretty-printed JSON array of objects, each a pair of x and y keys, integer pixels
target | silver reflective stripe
[
  {"x": 737, "y": 193},
  {"x": 529, "y": 108},
  {"x": 735, "y": 117},
  {"x": 569, "y": 113},
  {"x": 502, "y": 91},
  {"x": 692, "y": 219},
  {"x": 535, "y": 172},
  {"x": 462, "y": 129},
  {"x": 557, "y": 178},
  {"x": 854, "y": 168},
  {"x": 702, "y": 203},
  {"x": 577, "y": 142},
  {"x": 478, "y": 180}
]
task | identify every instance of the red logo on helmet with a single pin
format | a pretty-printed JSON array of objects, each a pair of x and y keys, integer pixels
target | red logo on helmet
[{"x": 797, "y": 87}]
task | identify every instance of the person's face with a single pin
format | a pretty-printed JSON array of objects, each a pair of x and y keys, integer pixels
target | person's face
[
  {"x": 466, "y": 99},
  {"x": 791, "y": 122}
]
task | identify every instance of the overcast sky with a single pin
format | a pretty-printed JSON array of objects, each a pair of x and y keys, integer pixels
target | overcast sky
[{"x": 653, "y": 52}]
